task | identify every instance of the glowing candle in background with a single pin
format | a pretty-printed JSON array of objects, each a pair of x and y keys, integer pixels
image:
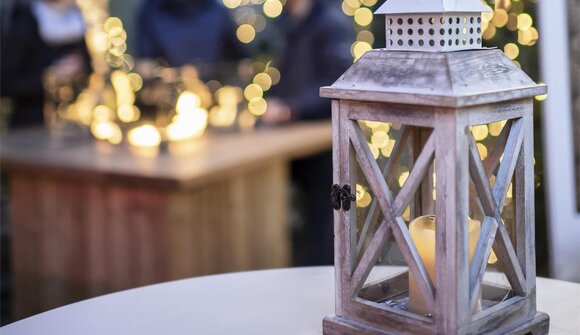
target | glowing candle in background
[{"x": 422, "y": 231}]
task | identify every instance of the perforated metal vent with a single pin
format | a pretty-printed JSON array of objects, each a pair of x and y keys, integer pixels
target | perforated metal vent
[{"x": 434, "y": 32}]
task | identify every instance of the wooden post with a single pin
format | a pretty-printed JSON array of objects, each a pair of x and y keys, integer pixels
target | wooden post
[{"x": 452, "y": 211}]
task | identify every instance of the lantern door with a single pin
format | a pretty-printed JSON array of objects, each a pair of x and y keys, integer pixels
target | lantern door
[{"x": 388, "y": 160}]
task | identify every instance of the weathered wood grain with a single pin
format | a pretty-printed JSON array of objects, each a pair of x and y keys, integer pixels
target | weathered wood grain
[
  {"x": 452, "y": 268},
  {"x": 83, "y": 239},
  {"x": 508, "y": 165}
]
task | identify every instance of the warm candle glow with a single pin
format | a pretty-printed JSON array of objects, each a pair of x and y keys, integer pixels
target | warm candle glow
[{"x": 422, "y": 231}]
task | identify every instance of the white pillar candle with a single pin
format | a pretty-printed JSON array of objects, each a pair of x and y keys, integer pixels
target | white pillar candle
[{"x": 422, "y": 231}]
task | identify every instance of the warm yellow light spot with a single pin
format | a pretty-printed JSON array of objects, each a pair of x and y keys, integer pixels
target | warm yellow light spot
[
  {"x": 274, "y": 74},
  {"x": 360, "y": 192},
  {"x": 374, "y": 150},
  {"x": 482, "y": 151},
  {"x": 500, "y": 18},
  {"x": 528, "y": 37},
  {"x": 272, "y": 8},
  {"x": 247, "y": 121},
  {"x": 505, "y": 4},
  {"x": 353, "y": 3},
  {"x": 112, "y": 23},
  {"x": 360, "y": 48},
  {"x": 380, "y": 139},
  {"x": 189, "y": 123},
  {"x": 511, "y": 50},
  {"x": 407, "y": 214},
  {"x": 385, "y": 127},
  {"x": 100, "y": 41},
  {"x": 363, "y": 16},
  {"x": 257, "y": 106},
  {"x": 509, "y": 194},
  {"x": 232, "y": 4},
  {"x": 118, "y": 50},
  {"x": 372, "y": 124},
  {"x": 102, "y": 113},
  {"x": 348, "y": 9},
  {"x": 524, "y": 21},
  {"x": 366, "y": 36},
  {"x": 486, "y": 18},
  {"x": 128, "y": 113},
  {"x": 144, "y": 136},
  {"x": 489, "y": 33},
  {"x": 492, "y": 179},
  {"x": 541, "y": 97},
  {"x": 222, "y": 116},
  {"x": 187, "y": 101},
  {"x": 229, "y": 96},
  {"x": 246, "y": 33},
  {"x": 388, "y": 149},
  {"x": 492, "y": 258},
  {"x": 263, "y": 80},
  {"x": 135, "y": 81},
  {"x": 369, "y": 3},
  {"x": 495, "y": 128},
  {"x": 480, "y": 132},
  {"x": 365, "y": 201},
  {"x": 403, "y": 178},
  {"x": 253, "y": 91},
  {"x": 109, "y": 131}
]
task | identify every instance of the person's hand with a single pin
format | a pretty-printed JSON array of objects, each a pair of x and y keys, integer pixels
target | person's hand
[{"x": 277, "y": 112}]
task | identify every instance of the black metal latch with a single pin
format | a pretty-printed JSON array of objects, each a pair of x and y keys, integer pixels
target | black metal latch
[{"x": 341, "y": 197}]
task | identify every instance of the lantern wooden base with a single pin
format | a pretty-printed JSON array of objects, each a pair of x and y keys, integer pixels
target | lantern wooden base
[{"x": 336, "y": 325}]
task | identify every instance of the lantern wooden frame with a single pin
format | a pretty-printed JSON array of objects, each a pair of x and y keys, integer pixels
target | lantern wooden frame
[{"x": 448, "y": 92}]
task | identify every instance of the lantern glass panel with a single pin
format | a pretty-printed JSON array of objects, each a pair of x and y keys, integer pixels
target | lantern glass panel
[
  {"x": 496, "y": 149},
  {"x": 394, "y": 149}
]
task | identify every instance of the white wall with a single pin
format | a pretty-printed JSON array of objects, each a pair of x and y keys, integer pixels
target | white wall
[{"x": 564, "y": 219}]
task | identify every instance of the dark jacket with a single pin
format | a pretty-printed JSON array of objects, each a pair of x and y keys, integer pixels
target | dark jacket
[
  {"x": 317, "y": 52},
  {"x": 187, "y": 32},
  {"x": 25, "y": 57}
]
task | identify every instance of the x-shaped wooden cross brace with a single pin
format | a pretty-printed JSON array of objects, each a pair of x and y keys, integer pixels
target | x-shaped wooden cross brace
[{"x": 392, "y": 209}]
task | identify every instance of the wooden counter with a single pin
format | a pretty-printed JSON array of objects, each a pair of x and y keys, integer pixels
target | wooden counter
[{"x": 90, "y": 218}]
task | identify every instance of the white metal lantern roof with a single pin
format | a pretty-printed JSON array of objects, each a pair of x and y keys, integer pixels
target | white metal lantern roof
[
  {"x": 433, "y": 25},
  {"x": 432, "y": 6}
]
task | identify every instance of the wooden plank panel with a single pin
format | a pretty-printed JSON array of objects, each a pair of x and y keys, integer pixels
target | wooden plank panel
[
  {"x": 410, "y": 115},
  {"x": 524, "y": 204},
  {"x": 452, "y": 268}
]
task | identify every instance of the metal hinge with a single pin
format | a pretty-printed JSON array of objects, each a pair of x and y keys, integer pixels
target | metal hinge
[{"x": 341, "y": 197}]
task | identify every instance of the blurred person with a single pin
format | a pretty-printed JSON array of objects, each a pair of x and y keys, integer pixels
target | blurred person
[
  {"x": 187, "y": 32},
  {"x": 43, "y": 35},
  {"x": 317, "y": 51}
]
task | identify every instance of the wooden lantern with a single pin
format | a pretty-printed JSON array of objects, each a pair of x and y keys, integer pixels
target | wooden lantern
[{"x": 434, "y": 174}]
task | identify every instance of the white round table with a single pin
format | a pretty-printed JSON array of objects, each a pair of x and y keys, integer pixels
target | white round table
[{"x": 284, "y": 301}]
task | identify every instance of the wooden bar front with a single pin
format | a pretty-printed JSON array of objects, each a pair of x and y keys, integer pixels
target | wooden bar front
[{"x": 91, "y": 218}]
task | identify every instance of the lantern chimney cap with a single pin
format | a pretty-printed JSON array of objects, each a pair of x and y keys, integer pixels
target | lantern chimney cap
[{"x": 432, "y": 6}]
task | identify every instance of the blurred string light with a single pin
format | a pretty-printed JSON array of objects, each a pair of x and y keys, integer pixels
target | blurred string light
[
  {"x": 108, "y": 107},
  {"x": 363, "y": 17}
]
